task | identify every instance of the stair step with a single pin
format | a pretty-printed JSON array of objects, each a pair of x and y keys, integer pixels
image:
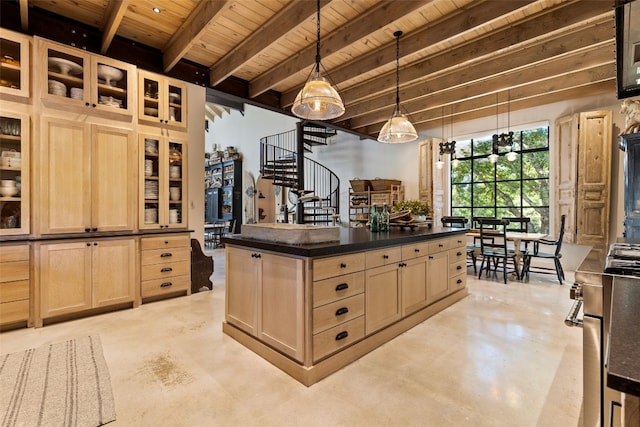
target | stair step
[{"x": 284, "y": 161}]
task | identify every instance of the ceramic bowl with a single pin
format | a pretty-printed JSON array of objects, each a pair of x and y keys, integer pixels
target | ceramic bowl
[
  {"x": 8, "y": 191},
  {"x": 7, "y": 183}
]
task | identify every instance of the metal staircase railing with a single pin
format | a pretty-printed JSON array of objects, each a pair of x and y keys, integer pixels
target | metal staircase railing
[{"x": 282, "y": 160}]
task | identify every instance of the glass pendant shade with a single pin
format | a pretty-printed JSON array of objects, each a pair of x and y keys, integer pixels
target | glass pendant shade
[
  {"x": 511, "y": 156},
  {"x": 397, "y": 129},
  {"x": 318, "y": 100},
  {"x": 439, "y": 164},
  {"x": 455, "y": 162},
  {"x": 493, "y": 157}
]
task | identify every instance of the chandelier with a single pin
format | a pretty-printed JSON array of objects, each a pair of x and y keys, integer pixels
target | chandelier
[
  {"x": 318, "y": 100},
  {"x": 398, "y": 128},
  {"x": 504, "y": 139},
  {"x": 448, "y": 147}
]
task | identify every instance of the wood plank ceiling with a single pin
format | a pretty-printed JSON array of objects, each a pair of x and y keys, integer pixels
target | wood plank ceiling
[{"x": 460, "y": 59}]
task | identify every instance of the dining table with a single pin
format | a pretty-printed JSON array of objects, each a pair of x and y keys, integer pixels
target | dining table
[{"x": 213, "y": 233}]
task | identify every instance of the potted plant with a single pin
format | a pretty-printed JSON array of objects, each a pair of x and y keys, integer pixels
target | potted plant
[{"x": 419, "y": 209}]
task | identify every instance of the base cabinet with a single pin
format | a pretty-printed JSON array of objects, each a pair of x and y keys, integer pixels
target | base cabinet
[
  {"x": 80, "y": 275},
  {"x": 14, "y": 284},
  {"x": 266, "y": 298},
  {"x": 382, "y": 295},
  {"x": 165, "y": 265}
]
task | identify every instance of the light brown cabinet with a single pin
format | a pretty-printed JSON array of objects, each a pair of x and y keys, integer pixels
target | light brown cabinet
[
  {"x": 165, "y": 265},
  {"x": 75, "y": 80},
  {"x": 78, "y": 275},
  {"x": 14, "y": 173},
  {"x": 14, "y": 283},
  {"x": 265, "y": 298},
  {"x": 86, "y": 177},
  {"x": 163, "y": 188},
  {"x": 162, "y": 101},
  {"x": 14, "y": 64}
]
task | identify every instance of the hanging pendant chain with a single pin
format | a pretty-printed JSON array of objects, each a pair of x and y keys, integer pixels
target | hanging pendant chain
[
  {"x": 398, "y": 72},
  {"x": 318, "y": 41}
]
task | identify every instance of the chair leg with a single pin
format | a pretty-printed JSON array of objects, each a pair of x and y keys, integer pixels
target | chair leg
[
  {"x": 559, "y": 271},
  {"x": 481, "y": 267}
]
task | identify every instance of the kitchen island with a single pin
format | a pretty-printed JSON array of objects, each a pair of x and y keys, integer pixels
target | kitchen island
[{"x": 311, "y": 309}]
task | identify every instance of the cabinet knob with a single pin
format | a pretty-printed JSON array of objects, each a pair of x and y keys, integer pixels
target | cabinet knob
[
  {"x": 87, "y": 229},
  {"x": 95, "y": 243},
  {"x": 94, "y": 229},
  {"x": 93, "y": 105},
  {"x": 416, "y": 250},
  {"x": 440, "y": 245},
  {"x": 342, "y": 287},
  {"x": 341, "y": 311},
  {"x": 343, "y": 265},
  {"x": 459, "y": 281},
  {"x": 459, "y": 267},
  {"x": 342, "y": 335},
  {"x": 86, "y": 104},
  {"x": 88, "y": 244},
  {"x": 458, "y": 253},
  {"x": 385, "y": 256}
]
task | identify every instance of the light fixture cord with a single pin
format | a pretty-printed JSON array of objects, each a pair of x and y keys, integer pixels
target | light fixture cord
[
  {"x": 318, "y": 41},
  {"x": 398, "y": 34}
]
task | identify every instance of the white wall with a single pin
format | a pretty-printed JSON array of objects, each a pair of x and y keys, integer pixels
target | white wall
[
  {"x": 349, "y": 157},
  {"x": 195, "y": 127}
]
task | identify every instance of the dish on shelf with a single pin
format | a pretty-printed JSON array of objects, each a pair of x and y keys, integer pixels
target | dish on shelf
[
  {"x": 9, "y": 191},
  {"x": 109, "y": 73},
  {"x": 150, "y": 111},
  {"x": 65, "y": 66},
  {"x": 10, "y": 60},
  {"x": 174, "y": 98},
  {"x": 77, "y": 93},
  {"x": 57, "y": 88}
]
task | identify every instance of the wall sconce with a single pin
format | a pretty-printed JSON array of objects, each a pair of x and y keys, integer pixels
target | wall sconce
[{"x": 447, "y": 148}]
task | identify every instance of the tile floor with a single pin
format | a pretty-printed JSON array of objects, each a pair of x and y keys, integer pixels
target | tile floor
[{"x": 500, "y": 357}]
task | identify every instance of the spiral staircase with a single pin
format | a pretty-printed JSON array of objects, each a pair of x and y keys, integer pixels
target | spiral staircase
[{"x": 316, "y": 188}]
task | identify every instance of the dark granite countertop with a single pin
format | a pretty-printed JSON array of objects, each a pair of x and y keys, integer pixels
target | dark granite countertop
[
  {"x": 25, "y": 238},
  {"x": 624, "y": 336},
  {"x": 351, "y": 240}
]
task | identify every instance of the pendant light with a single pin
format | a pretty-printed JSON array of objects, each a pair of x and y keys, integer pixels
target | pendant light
[
  {"x": 440, "y": 162},
  {"x": 318, "y": 100},
  {"x": 511, "y": 155},
  {"x": 398, "y": 128}
]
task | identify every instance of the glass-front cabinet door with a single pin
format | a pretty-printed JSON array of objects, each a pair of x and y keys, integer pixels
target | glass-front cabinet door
[
  {"x": 86, "y": 81},
  {"x": 14, "y": 63},
  {"x": 161, "y": 100},
  {"x": 14, "y": 173},
  {"x": 164, "y": 190}
]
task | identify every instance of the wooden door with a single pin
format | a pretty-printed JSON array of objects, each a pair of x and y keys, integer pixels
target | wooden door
[
  {"x": 241, "y": 289},
  {"x": 65, "y": 278},
  {"x": 594, "y": 178},
  {"x": 281, "y": 304},
  {"x": 425, "y": 181},
  {"x": 414, "y": 285},
  {"x": 64, "y": 171},
  {"x": 566, "y": 162},
  {"x": 113, "y": 285},
  {"x": 382, "y": 297},
  {"x": 437, "y": 276},
  {"x": 114, "y": 179}
]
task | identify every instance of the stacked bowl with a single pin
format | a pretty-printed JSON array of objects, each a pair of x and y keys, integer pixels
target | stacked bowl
[
  {"x": 8, "y": 188},
  {"x": 57, "y": 88}
]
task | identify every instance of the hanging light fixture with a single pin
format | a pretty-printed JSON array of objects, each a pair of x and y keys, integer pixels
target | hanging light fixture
[
  {"x": 398, "y": 128},
  {"x": 503, "y": 139},
  {"x": 440, "y": 162},
  {"x": 318, "y": 100},
  {"x": 454, "y": 159},
  {"x": 446, "y": 148},
  {"x": 511, "y": 155}
]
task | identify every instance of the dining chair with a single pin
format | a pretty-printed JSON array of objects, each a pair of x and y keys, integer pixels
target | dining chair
[
  {"x": 218, "y": 232},
  {"x": 461, "y": 222},
  {"x": 493, "y": 248},
  {"x": 519, "y": 224},
  {"x": 553, "y": 254}
]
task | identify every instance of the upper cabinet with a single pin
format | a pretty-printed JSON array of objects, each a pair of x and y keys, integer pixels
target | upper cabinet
[
  {"x": 161, "y": 100},
  {"x": 14, "y": 63},
  {"x": 14, "y": 173},
  {"x": 73, "y": 79}
]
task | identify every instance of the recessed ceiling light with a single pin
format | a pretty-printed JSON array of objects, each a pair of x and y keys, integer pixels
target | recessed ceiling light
[{"x": 156, "y": 10}]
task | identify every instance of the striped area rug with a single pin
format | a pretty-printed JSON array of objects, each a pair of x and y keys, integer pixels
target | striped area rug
[{"x": 63, "y": 384}]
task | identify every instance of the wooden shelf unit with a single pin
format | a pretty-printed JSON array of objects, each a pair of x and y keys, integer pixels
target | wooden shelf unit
[{"x": 359, "y": 212}]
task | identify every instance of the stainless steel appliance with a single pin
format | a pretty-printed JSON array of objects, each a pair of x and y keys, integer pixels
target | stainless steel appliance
[{"x": 591, "y": 293}]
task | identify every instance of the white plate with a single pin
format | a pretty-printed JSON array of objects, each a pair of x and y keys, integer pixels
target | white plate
[
  {"x": 109, "y": 73},
  {"x": 149, "y": 111},
  {"x": 65, "y": 66},
  {"x": 174, "y": 97}
]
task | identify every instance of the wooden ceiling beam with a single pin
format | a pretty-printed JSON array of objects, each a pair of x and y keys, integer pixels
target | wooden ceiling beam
[
  {"x": 479, "y": 14},
  {"x": 24, "y": 14},
  {"x": 286, "y": 20},
  {"x": 517, "y": 57},
  {"x": 190, "y": 31},
  {"x": 373, "y": 20},
  {"x": 114, "y": 14}
]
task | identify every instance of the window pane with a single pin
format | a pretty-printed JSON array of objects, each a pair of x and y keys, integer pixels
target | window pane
[
  {"x": 486, "y": 212},
  {"x": 539, "y": 219},
  {"x": 508, "y": 193},
  {"x": 462, "y": 172},
  {"x": 535, "y": 192},
  {"x": 483, "y": 170},
  {"x": 482, "y": 146},
  {"x": 535, "y": 164},
  {"x": 535, "y": 138},
  {"x": 483, "y": 195},
  {"x": 506, "y": 169},
  {"x": 461, "y": 195},
  {"x": 465, "y": 212},
  {"x": 463, "y": 149}
]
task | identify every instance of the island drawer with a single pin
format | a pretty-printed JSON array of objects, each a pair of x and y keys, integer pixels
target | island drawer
[
  {"x": 381, "y": 257},
  {"x": 415, "y": 250},
  {"x": 14, "y": 311},
  {"x": 335, "y": 288},
  {"x": 456, "y": 268},
  {"x": 158, "y": 256},
  {"x": 457, "y": 254},
  {"x": 324, "y": 268},
  {"x": 162, "y": 242},
  {"x": 457, "y": 282},
  {"x": 458, "y": 241},
  {"x": 337, "y": 312},
  {"x": 163, "y": 286},
  {"x": 168, "y": 269},
  {"x": 11, "y": 253},
  {"x": 14, "y": 270},
  {"x": 338, "y": 337},
  {"x": 439, "y": 245},
  {"x": 13, "y": 291}
]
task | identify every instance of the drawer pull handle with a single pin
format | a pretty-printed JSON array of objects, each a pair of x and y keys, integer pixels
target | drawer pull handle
[
  {"x": 458, "y": 253},
  {"x": 342, "y": 287},
  {"x": 440, "y": 245},
  {"x": 342, "y": 335},
  {"x": 166, "y": 254},
  {"x": 459, "y": 241},
  {"x": 416, "y": 250},
  {"x": 341, "y": 311},
  {"x": 459, "y": 267},
  {"x": 166, "y": 284},
  {"x": 166, "y": 269},
  {"x": 343, "y": 265},
  {"x": 385, "y": 256},
  {"x": 459, "y": 281}
]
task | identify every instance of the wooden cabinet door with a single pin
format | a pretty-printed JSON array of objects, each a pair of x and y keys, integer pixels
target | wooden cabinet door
[
  {"x": 382, "y": 297},
  {"x": 16, "y": 46},
  {"x": 65, "y": 278},
  {"x": 64, "y": 171},
  {"x": 281, "y": 304},
  {"x": 414, "y": 285},
  {"x": 565, "y": 158},
  {"x": 241, "y": 287},
  {"x": 437, "y": 276},
  {"x": 114, "y": 172},
  {"x": 594, "y": 178},
  {"x": 425, "y": 180},
  {"x": 113, "y": 285}
]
